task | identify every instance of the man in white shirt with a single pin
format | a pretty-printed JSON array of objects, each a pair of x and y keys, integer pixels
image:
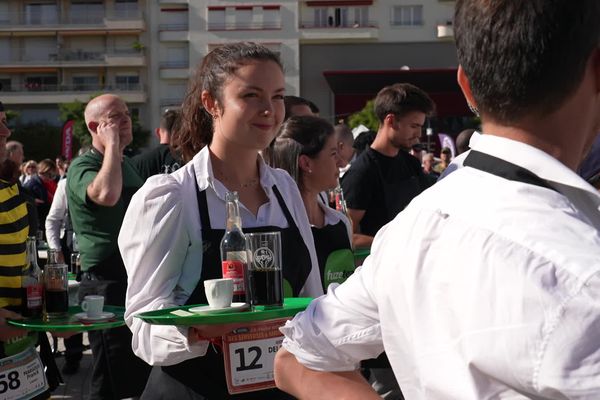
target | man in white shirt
[{"x": 497, "y": 292}]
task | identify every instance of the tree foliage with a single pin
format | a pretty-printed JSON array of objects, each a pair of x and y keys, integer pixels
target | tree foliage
[
  {"x": 365, "y": 117},
  {"x": 74, "y": 111},
  {"x": 39, "y": 139}
]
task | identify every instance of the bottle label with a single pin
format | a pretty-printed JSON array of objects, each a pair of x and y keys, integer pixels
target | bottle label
[
  {"x": 34, "y": 296},
  {"x": 233, "y": 267},
  {"x": 338, "y": 202}
]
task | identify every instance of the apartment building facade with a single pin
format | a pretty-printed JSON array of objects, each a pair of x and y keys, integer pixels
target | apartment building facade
[
  {"x": 53, "y": 51},
  {"x": 56, "y": 51},
  {"x": 312, "y": 37}
]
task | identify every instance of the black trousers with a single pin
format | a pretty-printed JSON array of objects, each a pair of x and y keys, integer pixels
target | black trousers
[{"x": 116, "y": 371}]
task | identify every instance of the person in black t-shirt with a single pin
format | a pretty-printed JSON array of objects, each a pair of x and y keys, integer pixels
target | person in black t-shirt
[
  {"x": 160, "y": 160},
  {"x": 385, "y": 177}
]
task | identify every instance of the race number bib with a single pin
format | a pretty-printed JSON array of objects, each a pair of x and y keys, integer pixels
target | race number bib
[
  {"x": 250, "y": 355},
  {"x": 22, "y": 376}
]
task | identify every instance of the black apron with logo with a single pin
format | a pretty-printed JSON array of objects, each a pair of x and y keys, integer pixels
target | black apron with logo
[
  {"x": 327, "y": 240},
  {"x": 204, "y": 377}
]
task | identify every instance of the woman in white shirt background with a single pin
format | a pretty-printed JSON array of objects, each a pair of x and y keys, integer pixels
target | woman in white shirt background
[
  {"x": 306, "y": 148},
  {"x": 171, "y": 233}
]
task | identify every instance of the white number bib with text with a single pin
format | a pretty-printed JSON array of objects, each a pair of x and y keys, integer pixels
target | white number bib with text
[
  {"x": 250, "y": 356},
  {"x": 22, "y": 376}
]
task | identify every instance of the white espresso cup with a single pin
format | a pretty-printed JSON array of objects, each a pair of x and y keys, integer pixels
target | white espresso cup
[
  {"x": 93, "y": 305},
  {"x": 219, "y": 292}
]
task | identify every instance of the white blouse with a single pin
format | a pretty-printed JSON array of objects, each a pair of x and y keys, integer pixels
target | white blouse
[{"x": 161, "y": 245}]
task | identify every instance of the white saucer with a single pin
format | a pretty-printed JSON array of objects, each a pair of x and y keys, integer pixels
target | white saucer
[
  {"x": 209, "y": 310},
  {"x": 104, "y": 316}
]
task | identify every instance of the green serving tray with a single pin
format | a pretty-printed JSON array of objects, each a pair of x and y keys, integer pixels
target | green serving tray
[
  {"x": 71, "y": 323},
  {"x": 291, "y": 307}
]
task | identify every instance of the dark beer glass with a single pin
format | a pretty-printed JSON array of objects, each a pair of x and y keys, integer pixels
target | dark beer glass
[
  {"x": 265, "y": 279},
  {"x": 56, "y": 295}
]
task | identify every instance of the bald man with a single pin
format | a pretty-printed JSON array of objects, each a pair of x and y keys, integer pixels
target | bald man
[{"x": 100, "y": 184}]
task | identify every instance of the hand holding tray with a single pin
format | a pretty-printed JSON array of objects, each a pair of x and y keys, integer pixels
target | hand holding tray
[
  {"x": 181, "y": 316},
  {"x": 72, "y": 323}
]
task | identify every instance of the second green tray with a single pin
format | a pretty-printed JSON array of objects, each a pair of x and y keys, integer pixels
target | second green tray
[
  {"x": 71, "y": 323},
  {"x": 182, "y": 317}
]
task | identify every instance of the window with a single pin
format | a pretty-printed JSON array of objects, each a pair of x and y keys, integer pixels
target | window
[
  {"x": 361, "y": 16},
  {"x": 341, "y": 17},
  {"x": 127, "y": 82},
  {"x": 37, "y": 14},
  {"x": 216, "y": 18},
  {"x": 244, "y": 18},
  {"x": 407, "y": 16},
  {"x": 321, "y": 18},
  {"x": 5, "y": 84},
  {"x": 86, "y": 83},
  {"x": 41, "y": 82},
  {"x": 126, "y": 8},
  {"x": 271, "y": 18},
  {"x": 86, "y": 12}
]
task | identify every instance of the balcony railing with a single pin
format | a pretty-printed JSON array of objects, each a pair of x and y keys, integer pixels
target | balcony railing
[
  {"x": 242, "y": 26},
  {"x": 83, "y": 87},
  {"x": 341, "y": 25},
  {"x": 89, "y": 55},
  {"x": 47, "y": 19}
]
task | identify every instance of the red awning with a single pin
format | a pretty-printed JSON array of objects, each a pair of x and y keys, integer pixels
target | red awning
[{"x": 352, "y": 89}]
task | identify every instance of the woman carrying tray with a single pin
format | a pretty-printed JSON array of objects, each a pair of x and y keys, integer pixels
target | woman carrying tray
[
  {"x": 172, "y": 230},
  {"x": 307, "y": 149}
]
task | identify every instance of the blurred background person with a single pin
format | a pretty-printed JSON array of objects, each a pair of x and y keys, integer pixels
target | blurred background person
[
  {"x": 445, "y": 160},
  {"x": 306, "y": 148},
  {"x": 295, "y": 105},
  {"x": 29, "y": 171},
  {"x": 428, "y": 164},
  {"x": 345, "y": 143},
  {"x": 62, "y": 166},
  {"x": 160, "y": 159},
  {"x": 42, "y": 187}
]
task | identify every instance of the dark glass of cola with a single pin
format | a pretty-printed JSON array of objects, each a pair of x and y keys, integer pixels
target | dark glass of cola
[{"x": 265, "y": 280}]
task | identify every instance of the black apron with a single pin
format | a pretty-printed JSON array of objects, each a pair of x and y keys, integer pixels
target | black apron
[
  {"x": 327, "y": 240},
  {"x": 204, "y": 377}
]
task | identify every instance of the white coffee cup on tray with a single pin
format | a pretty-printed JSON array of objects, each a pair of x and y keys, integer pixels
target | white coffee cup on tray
[
  {"x": 93, "y": 305},
  {"x": 219, "y": 292}
]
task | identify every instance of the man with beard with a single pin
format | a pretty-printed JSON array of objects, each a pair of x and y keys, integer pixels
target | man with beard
[{"x": 385, "y": 177}]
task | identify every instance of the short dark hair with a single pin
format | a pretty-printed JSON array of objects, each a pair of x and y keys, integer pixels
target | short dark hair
[
  {"x": 168, "y": 120},
  {"x": 363, "y": 141},
  {"x": 292, "y": 101},
  {"x": 523, "y": 57},
  {"x": 463, "y": 139},
  {"x": 400, "y": 99}
]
